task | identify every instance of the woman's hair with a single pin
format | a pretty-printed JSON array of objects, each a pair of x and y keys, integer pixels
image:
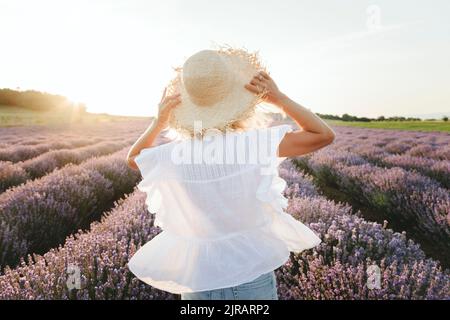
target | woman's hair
[{"x": 259, "y": 119}]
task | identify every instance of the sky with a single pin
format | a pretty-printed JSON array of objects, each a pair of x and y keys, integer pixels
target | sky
[{"x": 364, "y": 58}]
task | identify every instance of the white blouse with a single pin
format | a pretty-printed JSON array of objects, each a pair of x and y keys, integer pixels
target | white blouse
[{"x": 219, "y": 201}]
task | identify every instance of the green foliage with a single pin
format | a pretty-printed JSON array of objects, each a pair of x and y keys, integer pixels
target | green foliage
[
  {"x": 36, "y": 100},
  {"x": 398, "y": 125},
  {"x": 349, "y": 118}
]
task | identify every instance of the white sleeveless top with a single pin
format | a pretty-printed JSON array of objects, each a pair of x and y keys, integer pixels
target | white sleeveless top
[{"x": 219, "y": 201}]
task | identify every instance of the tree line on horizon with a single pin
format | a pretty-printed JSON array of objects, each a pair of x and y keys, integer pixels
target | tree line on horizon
[
  {"x": 347, "y": 117},
  {"x": 37, "y": 100},
  {"x": 43, "y": 101}
]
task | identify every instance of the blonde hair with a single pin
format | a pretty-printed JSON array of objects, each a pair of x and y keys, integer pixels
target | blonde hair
[{"x": 259, "y": 119}]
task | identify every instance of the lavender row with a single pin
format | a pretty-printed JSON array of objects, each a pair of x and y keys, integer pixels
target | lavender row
[
  {"x": 336, "y": 269},
  {"x": 438, "y": 170},
  {"x": 39, "y": 214},
  {"x": 16, "y": 153},
  {"x": 101, "y": 255},
  {"x": 300, "y": 184},
  {"x": 13, "y": 174},
  {"x": 431, "y": 145},
  {"x": 408, "y": 197},
  {"x": 32, "y": 135}
]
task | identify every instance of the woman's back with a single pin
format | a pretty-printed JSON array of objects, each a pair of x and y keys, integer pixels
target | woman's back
[{"x": 219, "y": 202}]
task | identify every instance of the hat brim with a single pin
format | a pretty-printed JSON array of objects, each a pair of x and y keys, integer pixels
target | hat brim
[{"x": 238, "y": 105}]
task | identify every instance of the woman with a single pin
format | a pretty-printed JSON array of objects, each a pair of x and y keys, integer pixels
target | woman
[{"x": 224, "y": 226}]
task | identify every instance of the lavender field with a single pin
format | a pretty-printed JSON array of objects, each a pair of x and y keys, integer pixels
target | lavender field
[{"x": 375, "y": 197}]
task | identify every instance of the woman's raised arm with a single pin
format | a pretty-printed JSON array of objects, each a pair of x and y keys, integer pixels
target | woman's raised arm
[
  {"x": 146, "y": 140},
  {"x": 315, "y": 133}
]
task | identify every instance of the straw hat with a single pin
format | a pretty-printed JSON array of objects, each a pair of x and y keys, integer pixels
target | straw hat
[{"x": 211, "y": 83}]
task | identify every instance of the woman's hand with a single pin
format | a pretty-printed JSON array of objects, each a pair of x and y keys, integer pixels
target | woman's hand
[
  {"x": 262, "y": 82},
  {"x": 147, "y": 139},
  {"x": 165, "y": 107}
]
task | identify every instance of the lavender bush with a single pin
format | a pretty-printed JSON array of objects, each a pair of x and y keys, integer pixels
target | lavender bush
[
  {"x": 21, "y": 152},
  {"x": 101, "y": 254},
  {"x": 39, "y": 214},
  {"x": 337, "y": 268},
  {"x": 12, "y": 174},
  {"x": 412, "y": 198},
  {"x": 300, "y": 183}
]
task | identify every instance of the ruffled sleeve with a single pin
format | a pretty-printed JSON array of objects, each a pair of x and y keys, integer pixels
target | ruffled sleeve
[
  {"x": 277, "y": 134},
  {"x": 271, "y": 185},
  {"x": 295, "y": 235},
  {"x": 149, "y": 164}
]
